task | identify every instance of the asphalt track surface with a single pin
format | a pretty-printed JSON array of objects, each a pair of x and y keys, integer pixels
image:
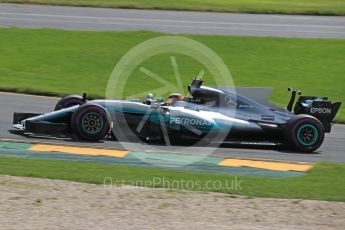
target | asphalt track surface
[
  {"x": 332, "y": 149},
  {"x": 176, "y": 22}
]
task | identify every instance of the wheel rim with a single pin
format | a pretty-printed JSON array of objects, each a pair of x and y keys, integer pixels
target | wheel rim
[
  {"x": 92, "y": 123},
  {"x": 307, "y": 135}
]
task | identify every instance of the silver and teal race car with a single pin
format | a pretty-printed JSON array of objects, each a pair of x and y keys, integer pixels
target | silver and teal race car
[{"x": 210, "y": 114}]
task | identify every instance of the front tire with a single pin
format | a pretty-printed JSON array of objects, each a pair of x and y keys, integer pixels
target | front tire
[
  {"x": 68, "y": 101},
  {"x": 90, "y": 122},
  {"x": 304, "y": 133}
]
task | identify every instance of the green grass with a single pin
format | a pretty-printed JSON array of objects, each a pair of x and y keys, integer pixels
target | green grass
[
  {"x": 326, "y": 181},
  {"x": 57, "y": 62},
  {"x": 318, "y": 7}
]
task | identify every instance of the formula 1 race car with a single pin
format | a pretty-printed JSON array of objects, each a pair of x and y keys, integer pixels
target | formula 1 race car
[{"x": 211, "y": 114}]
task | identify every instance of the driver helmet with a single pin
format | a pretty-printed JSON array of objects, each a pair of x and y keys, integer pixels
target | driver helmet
[{"x": 174, "y": 97}]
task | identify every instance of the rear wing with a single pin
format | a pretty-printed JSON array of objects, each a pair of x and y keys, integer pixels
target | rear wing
[{"x": 319, "y": 107}]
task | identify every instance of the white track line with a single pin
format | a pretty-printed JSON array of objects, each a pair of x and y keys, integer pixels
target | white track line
[{"x": 29, "y": 95}]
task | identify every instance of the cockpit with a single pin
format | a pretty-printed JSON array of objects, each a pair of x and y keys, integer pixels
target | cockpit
[
  {"x": 174, "y": 98},
  {"x": 201, "y": 97}
]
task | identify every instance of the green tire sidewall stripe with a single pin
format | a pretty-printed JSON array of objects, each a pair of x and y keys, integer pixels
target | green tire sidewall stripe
[
  {"x": 316, "y": 135},
  {"x": 88, "y": 131}
]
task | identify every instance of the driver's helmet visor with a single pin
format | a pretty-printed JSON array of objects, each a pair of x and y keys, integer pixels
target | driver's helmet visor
[{"x": 173, "y": 98}]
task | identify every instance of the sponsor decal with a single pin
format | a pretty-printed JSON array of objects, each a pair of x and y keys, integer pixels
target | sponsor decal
[
  {"x": 321, "y": 110},
  {"x": 267, "y": 117},
  {"x": 188, "y": 121}
]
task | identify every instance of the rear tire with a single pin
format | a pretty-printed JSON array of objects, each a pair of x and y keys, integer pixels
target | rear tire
[
  {"x": 304, "y": 133},
  {"x": 90, "y": 122},
  {"x": 68, "y": 101}
]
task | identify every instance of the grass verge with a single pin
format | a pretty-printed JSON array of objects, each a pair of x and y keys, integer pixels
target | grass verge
[
  {"x": 313, "y": 7},
  {"x": 57, "y": 62},
  {"x": 325, "y": 181}
]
